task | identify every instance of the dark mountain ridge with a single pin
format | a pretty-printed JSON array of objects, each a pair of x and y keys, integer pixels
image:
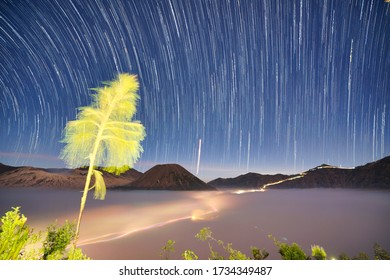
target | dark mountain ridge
[
  {"x": 60, "y": 178},
  {"x": 160, "y": 177},
  {"x": 5, "y": 168},
  {"x": 373, "y": 175},
  {"x": 168, "y": 177},
  {"x": 247, "y": 181}
]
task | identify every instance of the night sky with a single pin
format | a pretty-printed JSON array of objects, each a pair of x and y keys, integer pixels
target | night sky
[{"x": 267, "y": 85}]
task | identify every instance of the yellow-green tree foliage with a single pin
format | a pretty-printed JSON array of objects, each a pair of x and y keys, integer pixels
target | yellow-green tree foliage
[{"x": 106, "y": 128}]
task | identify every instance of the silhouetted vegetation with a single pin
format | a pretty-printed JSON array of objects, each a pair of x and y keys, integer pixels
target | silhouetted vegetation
[
  {"x": 168, "y": 248},
  {"x": 380, "y": 253},
  {"x": 287, "y": 251},
  {"x": 18, "y": 242}
]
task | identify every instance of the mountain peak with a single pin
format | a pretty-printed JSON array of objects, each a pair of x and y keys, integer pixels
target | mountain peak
[
  {"x": 169, "y": 177},
  {"x": 5, "y": 168},
  {"x": 322, "y": 166}
]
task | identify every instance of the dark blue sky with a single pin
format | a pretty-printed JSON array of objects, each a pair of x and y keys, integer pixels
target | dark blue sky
[{"x": 267, "y": 85}]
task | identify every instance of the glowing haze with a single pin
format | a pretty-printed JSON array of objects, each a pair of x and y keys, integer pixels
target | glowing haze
[{"x": 268, "y": 86}]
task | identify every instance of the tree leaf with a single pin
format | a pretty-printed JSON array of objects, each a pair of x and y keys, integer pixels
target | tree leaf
[{"x": 100, "y": 185}]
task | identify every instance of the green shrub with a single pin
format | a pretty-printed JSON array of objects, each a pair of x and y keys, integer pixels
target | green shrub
[
  {"x": 189, "y": 255},
  {"x": 17, "y": 240},
  {"x": 168, "y": 248},
  {"x": 57, "y": 240},
  {"x": 259, "y": 254},
  {"x": 318, "y": 253},
  {"x": 380, "y": 253},
  {"x": 361, "y": 256},
  {"x": 291, "y": 252},
  {"x": 287, "y": 251},
  {"x": 15, "y": 235},
  {"x": 205, "y": 234},
  {"x": 344, "y": 257}
]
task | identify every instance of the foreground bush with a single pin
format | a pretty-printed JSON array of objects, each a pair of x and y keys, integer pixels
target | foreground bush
[
  {"x": 15, "y": 235},
  {"x": 18, "y": 242},
  {"x": 287, "y": 251}
]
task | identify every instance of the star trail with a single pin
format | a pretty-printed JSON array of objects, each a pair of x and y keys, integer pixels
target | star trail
[{"x": 263, "y": 85}]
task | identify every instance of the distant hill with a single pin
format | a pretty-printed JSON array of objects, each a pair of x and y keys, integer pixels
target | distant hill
[
  {"x": 247, "y": 181},
  {"x": 168, "y": 177},
  {"x": 331, "y": 177},
  {"x": 374, "y": 175},
  {"x": 27, "y": 176}
]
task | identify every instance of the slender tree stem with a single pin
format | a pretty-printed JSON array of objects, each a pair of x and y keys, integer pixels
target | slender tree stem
[
  {"x": 92, "y": 158},
  {"x": 84, "y": 199}
]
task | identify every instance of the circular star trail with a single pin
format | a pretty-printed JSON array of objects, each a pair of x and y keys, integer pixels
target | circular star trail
[{"x": 265, "y": 86}]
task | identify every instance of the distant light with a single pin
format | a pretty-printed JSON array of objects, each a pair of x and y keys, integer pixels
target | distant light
[{"x": 248, "y": 191}]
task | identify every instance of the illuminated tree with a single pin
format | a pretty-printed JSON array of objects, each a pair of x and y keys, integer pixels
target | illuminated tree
[{"x": 104, "y": 135}]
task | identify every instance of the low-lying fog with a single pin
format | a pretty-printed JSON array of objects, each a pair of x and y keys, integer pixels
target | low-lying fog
[{"x": 136, "y": 224}]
